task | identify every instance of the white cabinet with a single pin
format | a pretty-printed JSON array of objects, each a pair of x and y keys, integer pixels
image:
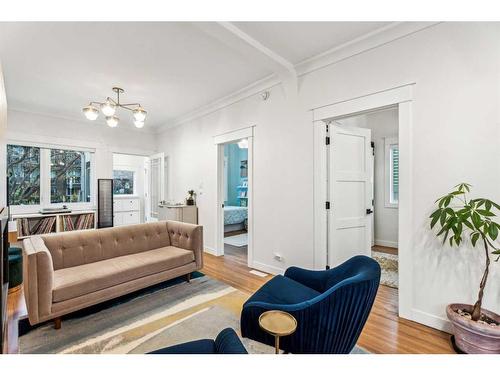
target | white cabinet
[
  {"x": 186, "y": 214},
  {"x": 126, "y": 211}
]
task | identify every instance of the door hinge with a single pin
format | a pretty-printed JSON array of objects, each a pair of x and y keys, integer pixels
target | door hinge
[
  {"x": 327, "y": 141},
  {"x": 327, "y": 205},
  {"x": 373, "y": 147}
]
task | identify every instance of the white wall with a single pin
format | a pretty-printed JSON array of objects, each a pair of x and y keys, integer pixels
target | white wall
[
  {"x": 383, "y": 124},
  {"x": 456, "y": 123},
  {"x": 137, "y": 164},
  {"x": 37, "y": 128},
  {"x": 3, "y": 134}
]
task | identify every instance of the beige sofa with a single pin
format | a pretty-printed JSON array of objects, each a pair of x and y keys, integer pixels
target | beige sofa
[{"x": 66, "y": 272}]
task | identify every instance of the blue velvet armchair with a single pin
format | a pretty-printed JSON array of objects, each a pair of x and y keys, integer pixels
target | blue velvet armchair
[
  {"x": 226, "y": 342},
  {"x": 331, "y": 306}
]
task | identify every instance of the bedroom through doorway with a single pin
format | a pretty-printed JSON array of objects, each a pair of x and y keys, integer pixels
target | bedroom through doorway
[{"x": 235, "y": 186}]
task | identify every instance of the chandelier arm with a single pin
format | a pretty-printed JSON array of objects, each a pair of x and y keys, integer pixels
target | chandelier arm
[
  {"x": 96, "y": 103},
  {"x": 130, "y": 105},
  {"x": 114, "y": 102}
]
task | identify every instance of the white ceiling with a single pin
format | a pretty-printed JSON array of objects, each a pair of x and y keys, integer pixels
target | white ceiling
[{"x": 171, "y": 68}]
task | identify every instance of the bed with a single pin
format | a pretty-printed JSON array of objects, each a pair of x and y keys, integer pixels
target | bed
[{"x": 235, "y": 218}]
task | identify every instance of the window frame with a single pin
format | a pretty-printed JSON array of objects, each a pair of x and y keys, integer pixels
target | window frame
[
  {"x": 129, "y": 169},
  {"x": 45, "y": 179},
  {"x": 389, "y": 143}
]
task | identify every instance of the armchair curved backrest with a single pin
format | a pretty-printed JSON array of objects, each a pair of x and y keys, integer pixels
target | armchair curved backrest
[{"x": 330, "y": 322}]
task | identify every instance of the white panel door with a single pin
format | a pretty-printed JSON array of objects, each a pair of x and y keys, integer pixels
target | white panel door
[
  {"x": 156, "y": 184},
  {"x": 350, "y": 193}
]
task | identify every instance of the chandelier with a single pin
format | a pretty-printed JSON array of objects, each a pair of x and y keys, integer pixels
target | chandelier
[{"x": 108, "y": 109}]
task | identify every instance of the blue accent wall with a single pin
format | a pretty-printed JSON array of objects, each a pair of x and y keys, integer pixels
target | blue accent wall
[{"x": 234, "y": 156}]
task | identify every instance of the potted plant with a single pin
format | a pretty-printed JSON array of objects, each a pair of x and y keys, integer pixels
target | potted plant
[
  {"x": 476, "y": 330},
  {"x": 190, "y": 198}
]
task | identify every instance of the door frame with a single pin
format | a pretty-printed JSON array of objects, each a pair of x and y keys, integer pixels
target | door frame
[
  {"x": 161, "y": 189},
  {"x": 402, "y": 98},
  {"x": 220, "y": 141}
]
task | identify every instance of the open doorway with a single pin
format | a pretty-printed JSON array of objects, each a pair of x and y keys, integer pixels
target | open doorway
[
  {"x": 383, "y": 171},
  {"x": 235, "y": 196},
  {"x": 130, "y": 189},
  {"x": 235, "y": 183}
]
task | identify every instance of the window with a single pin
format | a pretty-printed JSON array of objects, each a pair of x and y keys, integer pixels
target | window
[
  {"x": 123, "y": 182},
  {"x": 392, "y": 172},
  {"x": 69, "y": 176},
  {"x": 44, "y": 176},
  {"x": 23, "y": 171}
]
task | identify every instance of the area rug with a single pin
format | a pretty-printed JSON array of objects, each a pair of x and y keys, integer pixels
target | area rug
[
  {"x": 239, "y": 240},
  {"x": 169, "y": 316},
  {"x": 389, "y": 266}
]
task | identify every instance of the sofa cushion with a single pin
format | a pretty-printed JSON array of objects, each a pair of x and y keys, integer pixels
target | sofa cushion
[
  {"x": 71, "y": 249},
  {"x": 282, "y": 290},
  {"x": 80, "y": 280}
]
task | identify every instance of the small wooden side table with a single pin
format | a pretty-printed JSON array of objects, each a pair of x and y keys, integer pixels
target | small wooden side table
[{"x": 279, "y": 324}]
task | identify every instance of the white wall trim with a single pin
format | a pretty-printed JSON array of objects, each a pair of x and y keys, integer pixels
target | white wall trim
[
  {"x": 82, "y": 121},
  {"x": 46, "y": 141},
  {"x": 431, "y": 320},
  {"x": 233, "y": 135},
  {"x": 219, "y": 141},
  {"x": 402, "y": 96},
  {"x": 386, "y": 243},
  {"x": 365, "y": 103},
  {"x": 210, "y": 250},
  {"x": 367, "y": 42},
  {"x": 267, "y": 268}
]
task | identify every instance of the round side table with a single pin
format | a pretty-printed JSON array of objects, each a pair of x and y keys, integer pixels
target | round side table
[{"x": 279, "y": 324}]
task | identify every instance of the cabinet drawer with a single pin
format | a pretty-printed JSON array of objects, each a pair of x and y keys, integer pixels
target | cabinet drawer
[
  {"x": 117, "y": 219},
  {"x": 130, "y": 204},
  {"x": 117, "y": 205},
  {"x": 130, "y": 218}
]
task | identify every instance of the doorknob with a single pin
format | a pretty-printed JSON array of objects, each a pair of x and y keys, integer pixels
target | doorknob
[{"x": 369, "y": 211}]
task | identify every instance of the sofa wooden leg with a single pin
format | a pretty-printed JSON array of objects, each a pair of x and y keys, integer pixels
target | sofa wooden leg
[
  {"x": 188, "y": 277},
  {"x": 57, "y": 323}
]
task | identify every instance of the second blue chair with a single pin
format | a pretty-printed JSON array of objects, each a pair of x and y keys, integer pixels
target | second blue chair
[{"x": 331, "y": 306}]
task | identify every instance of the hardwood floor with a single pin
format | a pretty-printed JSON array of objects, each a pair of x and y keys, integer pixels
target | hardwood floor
[
  {"x": 385, "y": 249},
  {"x": 384, "y": 331}
]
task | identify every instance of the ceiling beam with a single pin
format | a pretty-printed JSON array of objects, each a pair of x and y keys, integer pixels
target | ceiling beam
[
  {"x": 236, "y": 39},
  {"x": 286, "y": 69}
]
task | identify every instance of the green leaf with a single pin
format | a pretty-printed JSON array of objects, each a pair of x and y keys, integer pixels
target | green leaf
[
  {"x": 442, "y": 218},
  {"x": 493, "y": 231},
  {"x": 474, "y": 238},
  {"x": 434, "y": 221},
  {"x": 497, "y": 206},
  {"x": 446, "y": 236},
  {"x": 468, "y": 224},
  {"x": 476, "y": 220},
  {"x": 447, "y": 201},
  {"x": 485, "y": 213},
  {"x": 496, "y": 252},
  {"x": 487, "y": 205}
]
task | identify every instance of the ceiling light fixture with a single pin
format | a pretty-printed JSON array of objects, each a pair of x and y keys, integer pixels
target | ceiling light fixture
[
  {"x": 109, "y": 107},
  {"x": 243, "y": 143}
]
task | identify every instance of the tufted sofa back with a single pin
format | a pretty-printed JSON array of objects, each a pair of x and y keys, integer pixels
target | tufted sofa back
[{"x": 72, "y": 249}]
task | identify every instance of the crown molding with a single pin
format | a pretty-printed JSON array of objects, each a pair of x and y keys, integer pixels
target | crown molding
[
  {"x": 235, "y": 97},
  {"x": 77, "y": 121},
  {"x": 375, "y": 39}
]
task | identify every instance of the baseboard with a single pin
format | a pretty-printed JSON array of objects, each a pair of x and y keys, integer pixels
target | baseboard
[
  {"x": 431, "y": 320},
  {"x": 211, "y": 251},
  {"x": 386, "y": 243},
  {"x": 267, "y": 268}
]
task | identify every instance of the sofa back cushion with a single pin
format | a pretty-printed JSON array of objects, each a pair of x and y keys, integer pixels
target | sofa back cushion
[{"x": 72, "y": 249}]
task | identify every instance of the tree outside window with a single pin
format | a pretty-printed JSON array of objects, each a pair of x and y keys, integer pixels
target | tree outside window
[
  {"x": 23, "y": 171},
  {"x": 69, "y": 176},
  {"x": 123, "y": 182}
]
